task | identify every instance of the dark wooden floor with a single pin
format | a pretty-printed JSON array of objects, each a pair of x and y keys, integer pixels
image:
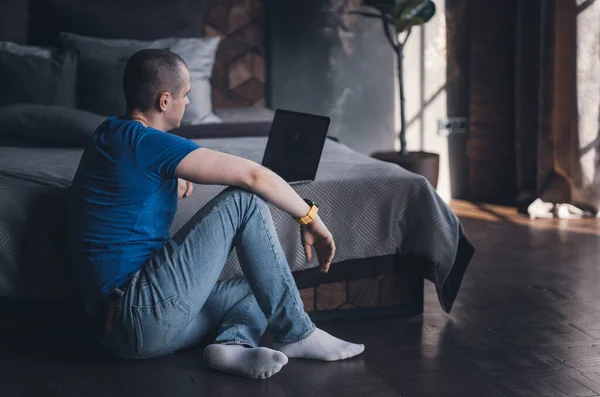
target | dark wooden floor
[{"x": 526, "y": 323}]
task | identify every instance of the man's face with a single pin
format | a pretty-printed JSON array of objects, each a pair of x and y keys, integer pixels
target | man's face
[{"x": 179, "y": 101}]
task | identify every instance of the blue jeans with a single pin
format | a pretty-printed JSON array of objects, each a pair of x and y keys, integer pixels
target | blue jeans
[{"x": 175, "y": 301}]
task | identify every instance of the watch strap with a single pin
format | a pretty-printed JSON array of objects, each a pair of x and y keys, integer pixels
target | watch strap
[{"x": 310, "y": 217}]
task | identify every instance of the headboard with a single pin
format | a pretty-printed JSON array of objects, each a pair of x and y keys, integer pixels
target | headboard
[{"x": 239, "y": 72}]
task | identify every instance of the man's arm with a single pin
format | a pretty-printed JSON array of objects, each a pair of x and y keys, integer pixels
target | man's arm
[
  {"x": 205, "y": 166},
  {"x": 208, "y": 167}
]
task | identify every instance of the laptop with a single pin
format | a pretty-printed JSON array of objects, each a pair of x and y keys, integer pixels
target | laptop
[{"x": 295, "y": 145}]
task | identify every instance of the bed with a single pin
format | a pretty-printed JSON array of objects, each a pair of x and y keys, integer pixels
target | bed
[{"x": 392, "y": 230}]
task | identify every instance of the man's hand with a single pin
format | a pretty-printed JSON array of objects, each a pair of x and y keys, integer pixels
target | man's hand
[
  {"x": 184, "y": 188},
  {"x": 316, "y": 235}
]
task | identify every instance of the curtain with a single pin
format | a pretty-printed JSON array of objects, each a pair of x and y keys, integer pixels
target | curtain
[
  {"x": 588, "y": 100},
  {"x": 557, "y": 90}
]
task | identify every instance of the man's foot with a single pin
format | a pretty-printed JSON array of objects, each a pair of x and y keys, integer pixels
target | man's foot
[
  {"x": 253, "y": 363},
  {"x": 320, "y": 346}
]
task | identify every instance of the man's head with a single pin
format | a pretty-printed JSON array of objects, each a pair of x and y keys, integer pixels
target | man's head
[{"x": 156, "y": 83}]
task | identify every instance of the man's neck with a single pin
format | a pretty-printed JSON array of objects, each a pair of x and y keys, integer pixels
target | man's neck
[{"x": 147, "y": 119}]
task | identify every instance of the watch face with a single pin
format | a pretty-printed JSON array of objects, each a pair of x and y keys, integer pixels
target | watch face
[{"x": 310, "y": 202}]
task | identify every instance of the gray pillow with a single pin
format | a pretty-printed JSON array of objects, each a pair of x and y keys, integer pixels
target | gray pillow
[
  {"x": 47, "y": 125},
  {"x": 102, "y": 63},
  {"x": 41, "y": 75}
]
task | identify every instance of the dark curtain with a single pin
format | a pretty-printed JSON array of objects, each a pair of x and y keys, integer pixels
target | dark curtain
[{"x": 547, "y": 144}]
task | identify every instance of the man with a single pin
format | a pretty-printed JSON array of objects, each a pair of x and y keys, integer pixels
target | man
[{"x": 149, "y": 295}]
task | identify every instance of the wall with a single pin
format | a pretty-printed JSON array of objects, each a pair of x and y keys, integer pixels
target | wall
[
  {"x": 314, "y": 67},
  {"x": 425, "y": 92},
  {"x": 239, "y": 72}
]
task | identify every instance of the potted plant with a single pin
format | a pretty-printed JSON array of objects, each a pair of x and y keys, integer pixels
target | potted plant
[{"x": 398, "y": 18}]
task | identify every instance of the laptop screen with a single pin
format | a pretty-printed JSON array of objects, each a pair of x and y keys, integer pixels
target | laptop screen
[{"x": 295, "y": 144}]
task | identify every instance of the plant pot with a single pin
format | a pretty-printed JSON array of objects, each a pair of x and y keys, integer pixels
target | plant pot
[{"x": 422, "y": 163}]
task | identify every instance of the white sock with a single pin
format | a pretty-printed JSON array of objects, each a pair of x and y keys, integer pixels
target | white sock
[
  {"x": 320, "y": 346},
  {"x": 253, "y": 363}
]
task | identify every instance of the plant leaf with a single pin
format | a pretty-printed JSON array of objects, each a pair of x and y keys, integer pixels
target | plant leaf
[{"x": 409, "y": 13}]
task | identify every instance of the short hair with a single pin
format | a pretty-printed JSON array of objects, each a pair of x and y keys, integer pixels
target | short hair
[{"x": 148, "y": 73}]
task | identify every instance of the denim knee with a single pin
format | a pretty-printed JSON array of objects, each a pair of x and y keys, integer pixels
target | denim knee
[{"x": 239, "y": 191}]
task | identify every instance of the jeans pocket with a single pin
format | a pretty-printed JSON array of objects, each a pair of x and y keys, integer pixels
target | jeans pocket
[{"x": 157, "y": 325}]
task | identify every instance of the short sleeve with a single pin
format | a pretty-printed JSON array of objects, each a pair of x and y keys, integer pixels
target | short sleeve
[{"x": 159, "y": 153}]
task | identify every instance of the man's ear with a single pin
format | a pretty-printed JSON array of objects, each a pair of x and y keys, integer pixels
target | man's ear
[{"x": 163, "y": 101}]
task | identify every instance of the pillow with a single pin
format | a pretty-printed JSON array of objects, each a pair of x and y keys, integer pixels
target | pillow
[
  {"x": 47, "y": 124},
  {"x": 102, "y": 64},
  {"x": 99, "y": 88},
  {"x": 113, "y": 47},
  {"x": 36, "y": 75},
  {"x": 135, "y": 19}
]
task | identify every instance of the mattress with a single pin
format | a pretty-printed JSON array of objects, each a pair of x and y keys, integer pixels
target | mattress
[{"x": 372, "y": 208}]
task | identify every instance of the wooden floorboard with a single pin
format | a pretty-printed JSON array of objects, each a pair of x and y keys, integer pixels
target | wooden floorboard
[{"x": 526, "y": 323}]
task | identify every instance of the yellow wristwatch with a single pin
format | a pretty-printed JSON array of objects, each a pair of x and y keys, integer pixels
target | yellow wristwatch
[{"x": 311, "y": 216}]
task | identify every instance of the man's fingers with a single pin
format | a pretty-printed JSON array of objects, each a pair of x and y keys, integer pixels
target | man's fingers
[
  {"x": 328, "y": 255},
  {"x": 323, "y": 256},
  {"x": 325, "y": 267},
  {"x": 331, "y": 253},
  {"x": 308, "y": 252},
  {"x": 189, "y": 187},
  {"x": 183, "y": 188},
  {"x": 327, "y": 258}
]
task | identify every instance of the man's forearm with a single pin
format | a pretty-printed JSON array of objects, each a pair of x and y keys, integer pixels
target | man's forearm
[{"x": 277, "y": 191}]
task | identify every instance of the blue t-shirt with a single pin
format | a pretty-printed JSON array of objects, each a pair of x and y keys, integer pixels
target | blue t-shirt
[{"x": 122, "y": 202}]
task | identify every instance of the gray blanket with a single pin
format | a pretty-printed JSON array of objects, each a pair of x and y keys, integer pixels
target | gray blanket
[{"x": 372, "y": 208}]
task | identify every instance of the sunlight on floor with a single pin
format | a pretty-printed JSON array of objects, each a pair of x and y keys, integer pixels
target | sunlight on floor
[{"x": 497, "y": 213}]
